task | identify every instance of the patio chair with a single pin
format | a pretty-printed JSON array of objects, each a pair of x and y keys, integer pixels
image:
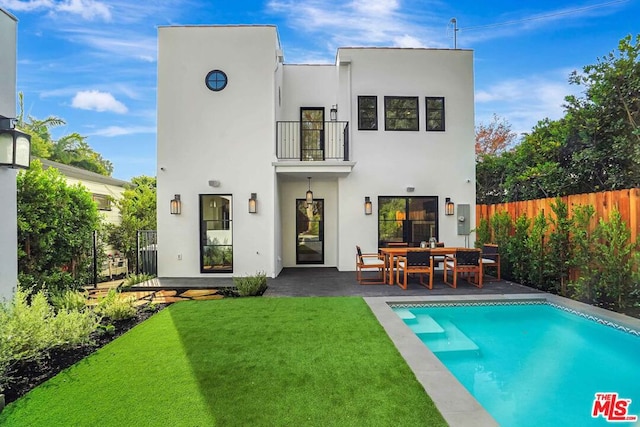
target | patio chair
[
  {"x": 491, "y": 259},
  {"x": 415, "y": 262},
  {"x": 467, "y": 262},
  {"x": 368, "y": 262}
]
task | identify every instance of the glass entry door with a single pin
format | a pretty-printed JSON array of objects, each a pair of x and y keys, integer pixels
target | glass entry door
[
  {"x": 309, "y": 232},
  {"x": 216, "y": 233},
  {"x": 311, "y": 134}
]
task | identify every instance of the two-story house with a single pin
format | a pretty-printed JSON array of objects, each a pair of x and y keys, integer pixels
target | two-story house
[{"x": 264, "y": 165}]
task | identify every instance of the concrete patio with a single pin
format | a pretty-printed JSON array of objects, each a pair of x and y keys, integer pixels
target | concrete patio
[{"x": 326, "y": 281}]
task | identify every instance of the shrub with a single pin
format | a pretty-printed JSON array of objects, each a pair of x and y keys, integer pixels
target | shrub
[
  {"x": 68, "y": 300},
  {"x": 115, "y": 306},
  {"x": 29, "y": 329},
  {"x": 251, "y": 285}
]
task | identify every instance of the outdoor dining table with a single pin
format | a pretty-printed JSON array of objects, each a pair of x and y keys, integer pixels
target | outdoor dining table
[{"x": 391, "y": 253}]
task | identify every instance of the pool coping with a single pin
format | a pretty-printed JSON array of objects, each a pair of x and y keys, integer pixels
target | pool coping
[{"x": 458, "y": 407}]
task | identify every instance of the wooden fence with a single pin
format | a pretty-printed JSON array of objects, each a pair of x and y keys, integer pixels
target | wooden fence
[{"x": 626, "y": 201}]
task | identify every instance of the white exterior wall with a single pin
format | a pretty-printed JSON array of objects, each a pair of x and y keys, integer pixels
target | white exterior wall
[
  {"x": 111, "y": 216},
  {"x": 434, "y": 163},
  {"x": 229, "y": 136},
  {"x": 225, "y": 136},
  {"x": 8, "y": 189}
]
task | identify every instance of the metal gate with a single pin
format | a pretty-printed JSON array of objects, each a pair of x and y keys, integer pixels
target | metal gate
[{"x": 147, "y": 251}]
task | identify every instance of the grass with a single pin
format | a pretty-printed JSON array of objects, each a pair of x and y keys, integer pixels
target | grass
[{"x": 249, "y": 361}]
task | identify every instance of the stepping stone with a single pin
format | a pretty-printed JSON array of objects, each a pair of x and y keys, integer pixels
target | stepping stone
[
  {"x": 140, "y": 303},
  {"x": 138, "y": 295},
  {"x": 207, "y": 297},
  {"x": 166, "y": 300},
  {"x": 198, "y": 292},
  {"x": 166, "y": 293}
]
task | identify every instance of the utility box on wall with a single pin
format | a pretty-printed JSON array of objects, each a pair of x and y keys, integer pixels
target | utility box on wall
[{"x": 464, "y": 220}]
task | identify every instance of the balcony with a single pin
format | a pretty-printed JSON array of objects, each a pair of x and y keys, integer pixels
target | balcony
[{"x": 311, "y": 141}]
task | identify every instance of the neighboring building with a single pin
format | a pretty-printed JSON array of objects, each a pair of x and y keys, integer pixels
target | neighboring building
[
  {"x": 104, "y": 189},
  {"x": 390, "y": 125},
  {"x": 8, "y": 188}
]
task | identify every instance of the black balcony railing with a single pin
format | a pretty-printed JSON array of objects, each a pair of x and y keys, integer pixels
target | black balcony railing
[{"x": 312, "y": 141}]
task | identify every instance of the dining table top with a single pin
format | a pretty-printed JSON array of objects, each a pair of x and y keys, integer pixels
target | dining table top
[{"x": 402, "y": 250}]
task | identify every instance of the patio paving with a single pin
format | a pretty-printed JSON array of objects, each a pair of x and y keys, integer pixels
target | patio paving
[{"x": 328, "y": 281}]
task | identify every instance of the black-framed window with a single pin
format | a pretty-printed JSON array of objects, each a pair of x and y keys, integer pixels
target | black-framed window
[
  {"x": 216, "y": 233},
  {"x": 435, "y": 113},
  {"x": 408, "y": 220},
  {"x": 367, "y": 113},
  {"x": 401, "y": 113}
]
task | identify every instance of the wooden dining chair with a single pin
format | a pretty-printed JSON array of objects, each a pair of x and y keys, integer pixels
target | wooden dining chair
[
  {"x": 491, "y": 260},
  {"x": 415, "y": 262},
  {"x": 368, "y": 262},
  {"x": 465, "y": 261}
]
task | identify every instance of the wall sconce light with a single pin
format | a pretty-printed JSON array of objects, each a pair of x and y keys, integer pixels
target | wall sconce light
[
  {"x": 309, "y": 195},
  {"x": 333, "y": 113},
  {"x": 15, "y": 146},
  {"x": 448, "y": 206},
  {"x": 368, "y": 206},
  {"x": 253, "y": 203},
  {"x": 176, "y": 205}
]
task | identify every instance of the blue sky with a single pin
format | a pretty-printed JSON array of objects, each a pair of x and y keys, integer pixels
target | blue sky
[{"x": 93, "y": 62}]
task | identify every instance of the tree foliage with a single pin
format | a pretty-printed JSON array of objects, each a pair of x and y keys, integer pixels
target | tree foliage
[
  {"x": 594, "y": 147},
  {"x": 494, "y": 137},
  {"x": 138, "y": 211},
  {"x": 55, "y": 229},
  {"x": 71, "y": 149}
]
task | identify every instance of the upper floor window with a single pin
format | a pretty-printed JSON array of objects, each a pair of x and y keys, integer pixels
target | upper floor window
[
  {"x": 401, "y": 113},
  {"x": 103, "y": 202},
  {"x": 367, "y": 113},
  {"x": 435, "y": 113}
]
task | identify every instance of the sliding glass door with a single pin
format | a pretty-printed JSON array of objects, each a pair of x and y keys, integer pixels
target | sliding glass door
[{"x": 408, "y": 220}]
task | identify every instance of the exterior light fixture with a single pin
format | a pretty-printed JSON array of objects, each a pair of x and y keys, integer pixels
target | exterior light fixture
[
  {"x": 15, "y": 146},
  {"x": 448, "y": 206},
  {"x": 368, "y": 207},
  {"x": 176, "y": 205},
  {"x": 333, "y": 113},
  {"x": 253, "y": 203},
  {"x": 309, "y": 195}
]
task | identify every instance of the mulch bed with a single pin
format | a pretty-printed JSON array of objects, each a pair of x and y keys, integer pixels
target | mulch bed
[{"x": 27, "y": 375}]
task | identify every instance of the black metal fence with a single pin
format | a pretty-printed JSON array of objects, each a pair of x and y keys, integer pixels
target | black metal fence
[{"x": 147, "y": 252}]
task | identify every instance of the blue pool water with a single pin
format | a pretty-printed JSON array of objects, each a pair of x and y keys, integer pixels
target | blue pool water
[{"x": 534, "y": 364}]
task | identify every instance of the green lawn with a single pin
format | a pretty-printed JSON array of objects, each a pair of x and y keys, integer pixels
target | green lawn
[{"x": 248, "y": 361}]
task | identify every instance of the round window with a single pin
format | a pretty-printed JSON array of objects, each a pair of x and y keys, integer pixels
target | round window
[{"x": 216, "y": 80}]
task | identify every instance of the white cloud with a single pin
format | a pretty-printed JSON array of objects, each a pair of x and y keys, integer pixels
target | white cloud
[
  {"x": 88, "y": 9},
  {"x": 525, "y": 101},
  {"x": 97, "y": 101},
  {"x": 363, "y": 22},
  {"x": 112, "y": 131}
]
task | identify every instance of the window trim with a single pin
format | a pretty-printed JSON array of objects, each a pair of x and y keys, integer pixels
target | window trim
[
  {"x": 97, "y": 198},
  {"x": 426, "y": 107},
  {"x": 375, "y": 110},
  {"x": 417, "y": 118}
]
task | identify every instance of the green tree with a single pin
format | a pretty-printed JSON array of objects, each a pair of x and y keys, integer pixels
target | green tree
[
  {"x": 71, "y": 149},
  {"x": 55, "y": 229},
  {"x": 560, "y": 246},
  {"x": 594, "y": 147},
  {"x": 138, "y": 211}
]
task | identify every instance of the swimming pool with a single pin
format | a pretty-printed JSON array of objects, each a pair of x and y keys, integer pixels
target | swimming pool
[{"x": 531, "y": 363}]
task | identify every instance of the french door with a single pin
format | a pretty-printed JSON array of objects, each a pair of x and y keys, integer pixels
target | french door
[
  {"x": 311, "y": 134},
  {"x": 310, "y": 232}
]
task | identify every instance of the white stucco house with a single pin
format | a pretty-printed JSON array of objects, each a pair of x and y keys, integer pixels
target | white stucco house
[
  {"x": 385, "y": 129},
  {"x": 8, "y": 191}
]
